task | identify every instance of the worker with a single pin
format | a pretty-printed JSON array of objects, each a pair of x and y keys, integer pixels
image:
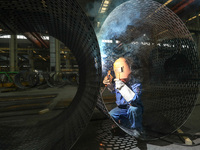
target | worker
[{"x": 129, "y": 108}]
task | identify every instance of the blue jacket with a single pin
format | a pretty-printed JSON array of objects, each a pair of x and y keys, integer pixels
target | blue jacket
[{"x": 136, "y": 101}]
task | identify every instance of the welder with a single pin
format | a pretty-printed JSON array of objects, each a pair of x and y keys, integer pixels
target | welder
[{"x": 129, "y": 108}]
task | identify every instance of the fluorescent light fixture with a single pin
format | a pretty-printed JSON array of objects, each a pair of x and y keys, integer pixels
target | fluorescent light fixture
[
  {"x": 45, "y": 37},
  {"x": 98, "y": 24},
  {"x": 107, "y": 41},
  {"x": 21, "y": 37},
  {"x": 105, "y": 5},
  {"x": 117, "y": 41},
  {"x": 106, "y": 2},
  {"x": 103, "y": 8},
  {"x": 194, "y": 17},
  {"x": 5, "y": 37}
]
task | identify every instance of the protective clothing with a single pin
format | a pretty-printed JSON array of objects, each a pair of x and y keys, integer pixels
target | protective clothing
[
  {"x": 124, "y": 90},
  {"x": 121, "y": 68},
  {"x": 130, "y": 116},
  {"x": 130, "y": 109}
]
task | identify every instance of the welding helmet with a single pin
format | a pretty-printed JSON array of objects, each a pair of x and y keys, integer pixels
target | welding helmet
[{"x": 121, "y": 69}]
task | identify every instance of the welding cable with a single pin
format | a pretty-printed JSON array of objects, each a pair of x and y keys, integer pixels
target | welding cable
[{"x": 103, "y": 90}]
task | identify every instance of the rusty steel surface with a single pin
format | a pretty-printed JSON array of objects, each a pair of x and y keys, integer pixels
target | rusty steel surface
[
  {"x": 165, "y": 62},
  {"x": 66, "y": 21}
]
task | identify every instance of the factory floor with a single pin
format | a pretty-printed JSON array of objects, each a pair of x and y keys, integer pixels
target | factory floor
[
  {"x": 30, "y": 105},
  {"x": 101, "y": 133},
  {"x": 99, "y": 136}
]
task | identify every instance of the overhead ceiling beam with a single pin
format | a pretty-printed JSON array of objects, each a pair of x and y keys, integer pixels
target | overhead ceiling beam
[
  {"x": 36, "y": 39},
  {"x": 178, "y": 5},
  {"x": 31, "y": 38},
  {"x": 182, "y": 5}
]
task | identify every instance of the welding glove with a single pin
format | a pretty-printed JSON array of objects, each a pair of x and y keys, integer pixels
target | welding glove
[
  {"x": 124, "y": 90},
  {"x": 106, "y": 80},
  {"x": 109, "y": 84}
]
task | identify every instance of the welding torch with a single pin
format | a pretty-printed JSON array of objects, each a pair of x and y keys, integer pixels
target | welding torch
[{"x": 107, "y": 80}]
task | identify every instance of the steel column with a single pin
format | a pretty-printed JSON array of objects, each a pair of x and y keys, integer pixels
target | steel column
[{"x": 13, "y": 53}]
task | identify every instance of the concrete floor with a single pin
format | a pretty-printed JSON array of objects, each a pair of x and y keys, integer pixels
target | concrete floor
[
  {"x": 100, "y": 135},
  {"x": 17, "y": 106}
]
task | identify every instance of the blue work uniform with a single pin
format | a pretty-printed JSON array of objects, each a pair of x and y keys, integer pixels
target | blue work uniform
[{"x": 129, "y": 115}]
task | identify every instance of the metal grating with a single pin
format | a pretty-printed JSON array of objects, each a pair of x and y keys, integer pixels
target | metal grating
[
  {"x": 165, "y": 61},
  {"x": 66, "y": 21},
  {"x": 112, "y": 141}
]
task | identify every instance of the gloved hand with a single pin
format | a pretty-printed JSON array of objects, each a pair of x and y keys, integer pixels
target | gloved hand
[
  {"x": 106, "y": 80},
  {"x": 124, "y": 90},
  {"x": 109, "y": 84},
  {"x": 118, "y": 84}
]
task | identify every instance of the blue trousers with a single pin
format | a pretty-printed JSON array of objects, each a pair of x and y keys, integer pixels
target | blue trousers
[{"x": 130, "y": 117}]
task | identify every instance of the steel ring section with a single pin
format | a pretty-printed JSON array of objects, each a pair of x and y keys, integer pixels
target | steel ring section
[
  {"x": 66, "y": 21},
  {"x": 166, "y": 61}
]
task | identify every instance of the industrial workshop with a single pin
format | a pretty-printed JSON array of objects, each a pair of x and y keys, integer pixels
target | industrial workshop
[{"x": 99, "y": 74}]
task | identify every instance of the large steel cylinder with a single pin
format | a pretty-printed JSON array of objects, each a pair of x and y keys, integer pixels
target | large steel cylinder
[
  {"x": 66, "y": 21},
  {"x": 167, "y": 66},
  {"x": 165, "y": 61}
]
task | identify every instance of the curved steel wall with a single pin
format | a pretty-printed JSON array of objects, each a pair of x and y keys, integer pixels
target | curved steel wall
[
  {"x": 165, "y": 57},
  {"x": 168, "y": 101},
  {"x": 64, "y": 20}
]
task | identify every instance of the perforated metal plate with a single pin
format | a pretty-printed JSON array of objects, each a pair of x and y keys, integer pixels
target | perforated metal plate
[
  {"x": 64, "y": 20},
  {"x": 165, "y": 61},
  {"x": 110, "y": 138}
]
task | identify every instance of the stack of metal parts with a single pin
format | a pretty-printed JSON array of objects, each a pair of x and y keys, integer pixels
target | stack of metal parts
[
  {"x": 25, "y": 80},
  {"x": 165, "y": 61},
  {"x": 44, "y": 80},
  {"x": 67, "y": 22}
]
